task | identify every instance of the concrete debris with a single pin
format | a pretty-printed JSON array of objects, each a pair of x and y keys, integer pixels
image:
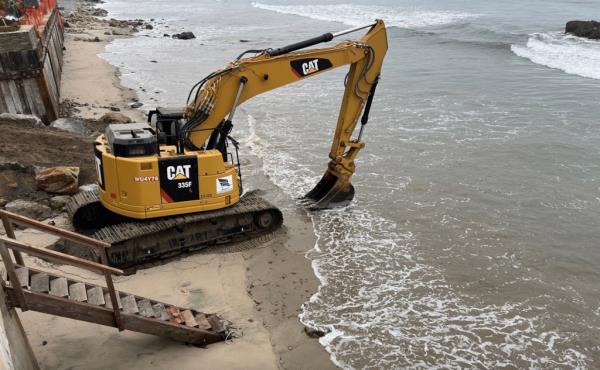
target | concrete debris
[
  {"x": 26, "y": 119},
  {"x": 73, "y": 125}
]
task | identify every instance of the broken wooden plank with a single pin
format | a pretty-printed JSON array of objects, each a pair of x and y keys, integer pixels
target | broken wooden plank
[
  {"x": 77, "y": 292},
  {"x": 216, "y": 323},
  {"x": 95, "y": 296},
  {"x": 202, "y": 321},
  {"x": 161, "y": 311},
  {"x": 40, "y": 283},
  {"x": 59, "y": 287},
  {"x": 129, "y": 304},
  {"x": 146, "y": 308},
  {"x": 188, "y": 317},
  {"x": 23, "y": 276}
]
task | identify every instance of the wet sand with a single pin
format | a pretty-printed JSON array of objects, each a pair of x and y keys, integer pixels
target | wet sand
[{"x": 259, "y": 287}]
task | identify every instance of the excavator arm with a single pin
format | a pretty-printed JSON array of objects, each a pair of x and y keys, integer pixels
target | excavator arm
[{"x": 216, "y": 98}]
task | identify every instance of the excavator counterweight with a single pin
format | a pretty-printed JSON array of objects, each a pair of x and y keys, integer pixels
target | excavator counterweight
[{"x": 174, "y": 184}]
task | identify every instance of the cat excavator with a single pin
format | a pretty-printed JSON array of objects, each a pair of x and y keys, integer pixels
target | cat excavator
[{"x": 174, "y": 184}]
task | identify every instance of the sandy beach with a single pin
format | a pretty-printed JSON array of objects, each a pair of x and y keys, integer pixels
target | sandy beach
[{"x": 259, "y": 287}]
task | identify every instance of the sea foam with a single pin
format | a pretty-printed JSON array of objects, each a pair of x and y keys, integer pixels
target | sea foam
[
  {"x": 573, "y": 55},
  {"x": 358, "y": 15},
  {"x": 382, "y": 306}
]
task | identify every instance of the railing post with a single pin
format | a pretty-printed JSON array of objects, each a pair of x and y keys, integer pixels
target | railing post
[
  {"x": 113, "y": 299},
  {"x": 12, "y": 275},
  {"x": 10, "y": 232},
  {"x": 111, "y": 291}
]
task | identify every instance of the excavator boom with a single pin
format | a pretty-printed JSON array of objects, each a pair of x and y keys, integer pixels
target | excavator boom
[{"x": 211, "y": 111}]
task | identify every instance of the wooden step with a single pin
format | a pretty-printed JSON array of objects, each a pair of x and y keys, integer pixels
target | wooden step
[
  {"x": 202, "y": 321},
  {"x": 40, "y": 283},
  {"x": 77, "y": 292},
  {"x": 59, "y": 287},
  {"x": 96, "y": 296},
  {"x": 109, "y": 302},
  {"x": 161, "y": 311},
  {"x": 23, "y": 276},
  {"x": 146, "y": 309},
  {"x": 188, "y": 317},
  {"x": 129, "y": 305}
]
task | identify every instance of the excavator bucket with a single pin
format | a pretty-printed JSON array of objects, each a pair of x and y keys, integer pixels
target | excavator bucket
[{"x": 330, "y": 192}]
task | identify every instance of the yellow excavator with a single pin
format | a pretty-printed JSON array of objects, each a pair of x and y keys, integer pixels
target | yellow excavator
[{"x": 174, "y": 184}]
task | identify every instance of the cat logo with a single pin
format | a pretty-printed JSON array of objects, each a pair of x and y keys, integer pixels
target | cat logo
[
  {"x": 178, "y": 172},
  {"x": 307, "y": 67},
  {"x": 310, "y": 67}
]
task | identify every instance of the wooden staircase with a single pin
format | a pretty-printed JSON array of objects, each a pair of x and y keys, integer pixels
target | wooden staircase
[{"x": 31, "y": 289}]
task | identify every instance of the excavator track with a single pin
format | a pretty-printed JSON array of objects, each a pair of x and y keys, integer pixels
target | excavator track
[{"x": 136, "y": 242}]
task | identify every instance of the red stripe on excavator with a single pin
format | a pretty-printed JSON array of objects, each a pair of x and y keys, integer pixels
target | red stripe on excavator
[{"x": 165, "y": 197}]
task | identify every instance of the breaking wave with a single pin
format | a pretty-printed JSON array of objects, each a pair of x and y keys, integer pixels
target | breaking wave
[
  {"x": 573, "y": 55},
  {"x": 358, "y": 15}
]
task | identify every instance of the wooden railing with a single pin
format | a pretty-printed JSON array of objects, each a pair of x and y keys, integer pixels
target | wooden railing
[{"x": 9, "y": 242}]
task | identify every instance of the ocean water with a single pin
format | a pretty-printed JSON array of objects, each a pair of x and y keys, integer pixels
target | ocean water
[{"x": 473, "y": 240}]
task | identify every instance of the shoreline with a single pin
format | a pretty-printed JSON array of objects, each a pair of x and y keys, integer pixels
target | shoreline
[{"x": 259, "y": 288}]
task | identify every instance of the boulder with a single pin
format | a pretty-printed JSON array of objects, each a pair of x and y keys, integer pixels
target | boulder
[
  {"x": 314, "y": 333},
  {"x": 29, "y": 209},
  {"x": 26, "y": 119},
  {"x": 115, "y": 117},
  {"x": 58, "y": 180},
  {"x": 587, "y": 29},
  {"x": 59, "y": 202},
  {"x": 74, "y": 125},
  {"x": 184, "y": 36}
]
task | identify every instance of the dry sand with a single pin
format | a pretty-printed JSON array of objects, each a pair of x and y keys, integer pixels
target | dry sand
[{"x": 260, "y": 289}]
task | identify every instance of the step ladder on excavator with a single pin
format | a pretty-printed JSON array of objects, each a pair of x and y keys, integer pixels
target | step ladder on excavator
[{"x": 32, "y": 289}]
